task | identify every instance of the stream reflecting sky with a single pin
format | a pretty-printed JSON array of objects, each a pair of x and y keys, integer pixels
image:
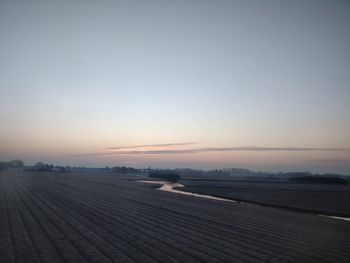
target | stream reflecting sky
[{"x": 79, "y": 77}]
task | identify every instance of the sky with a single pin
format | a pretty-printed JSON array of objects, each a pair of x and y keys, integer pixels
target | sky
[{"x": 201, "y": 84}]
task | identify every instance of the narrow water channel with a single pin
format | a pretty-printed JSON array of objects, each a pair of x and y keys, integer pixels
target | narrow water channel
[{"x": 169, "y": 187}]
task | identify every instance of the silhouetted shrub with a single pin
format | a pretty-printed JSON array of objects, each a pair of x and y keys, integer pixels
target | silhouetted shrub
[
  {"x": 169, "y": 176},
  {"x": 42, "y": 167},
  {"x": 124, "y": 170},
  {"x": 298, "y": 174}
]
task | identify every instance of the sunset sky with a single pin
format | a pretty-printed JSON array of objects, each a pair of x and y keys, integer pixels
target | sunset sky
[{"x": 203, "y": 84}]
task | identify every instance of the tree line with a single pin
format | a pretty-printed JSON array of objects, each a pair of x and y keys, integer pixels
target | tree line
[{"x": 11, "y": 164}]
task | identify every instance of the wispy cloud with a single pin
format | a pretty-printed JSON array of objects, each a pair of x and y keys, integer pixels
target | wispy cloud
[
  {"x": 152, "y": 145},
  {"x": 206, "y": 149},
  {"x": 262, "y": 149}
]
